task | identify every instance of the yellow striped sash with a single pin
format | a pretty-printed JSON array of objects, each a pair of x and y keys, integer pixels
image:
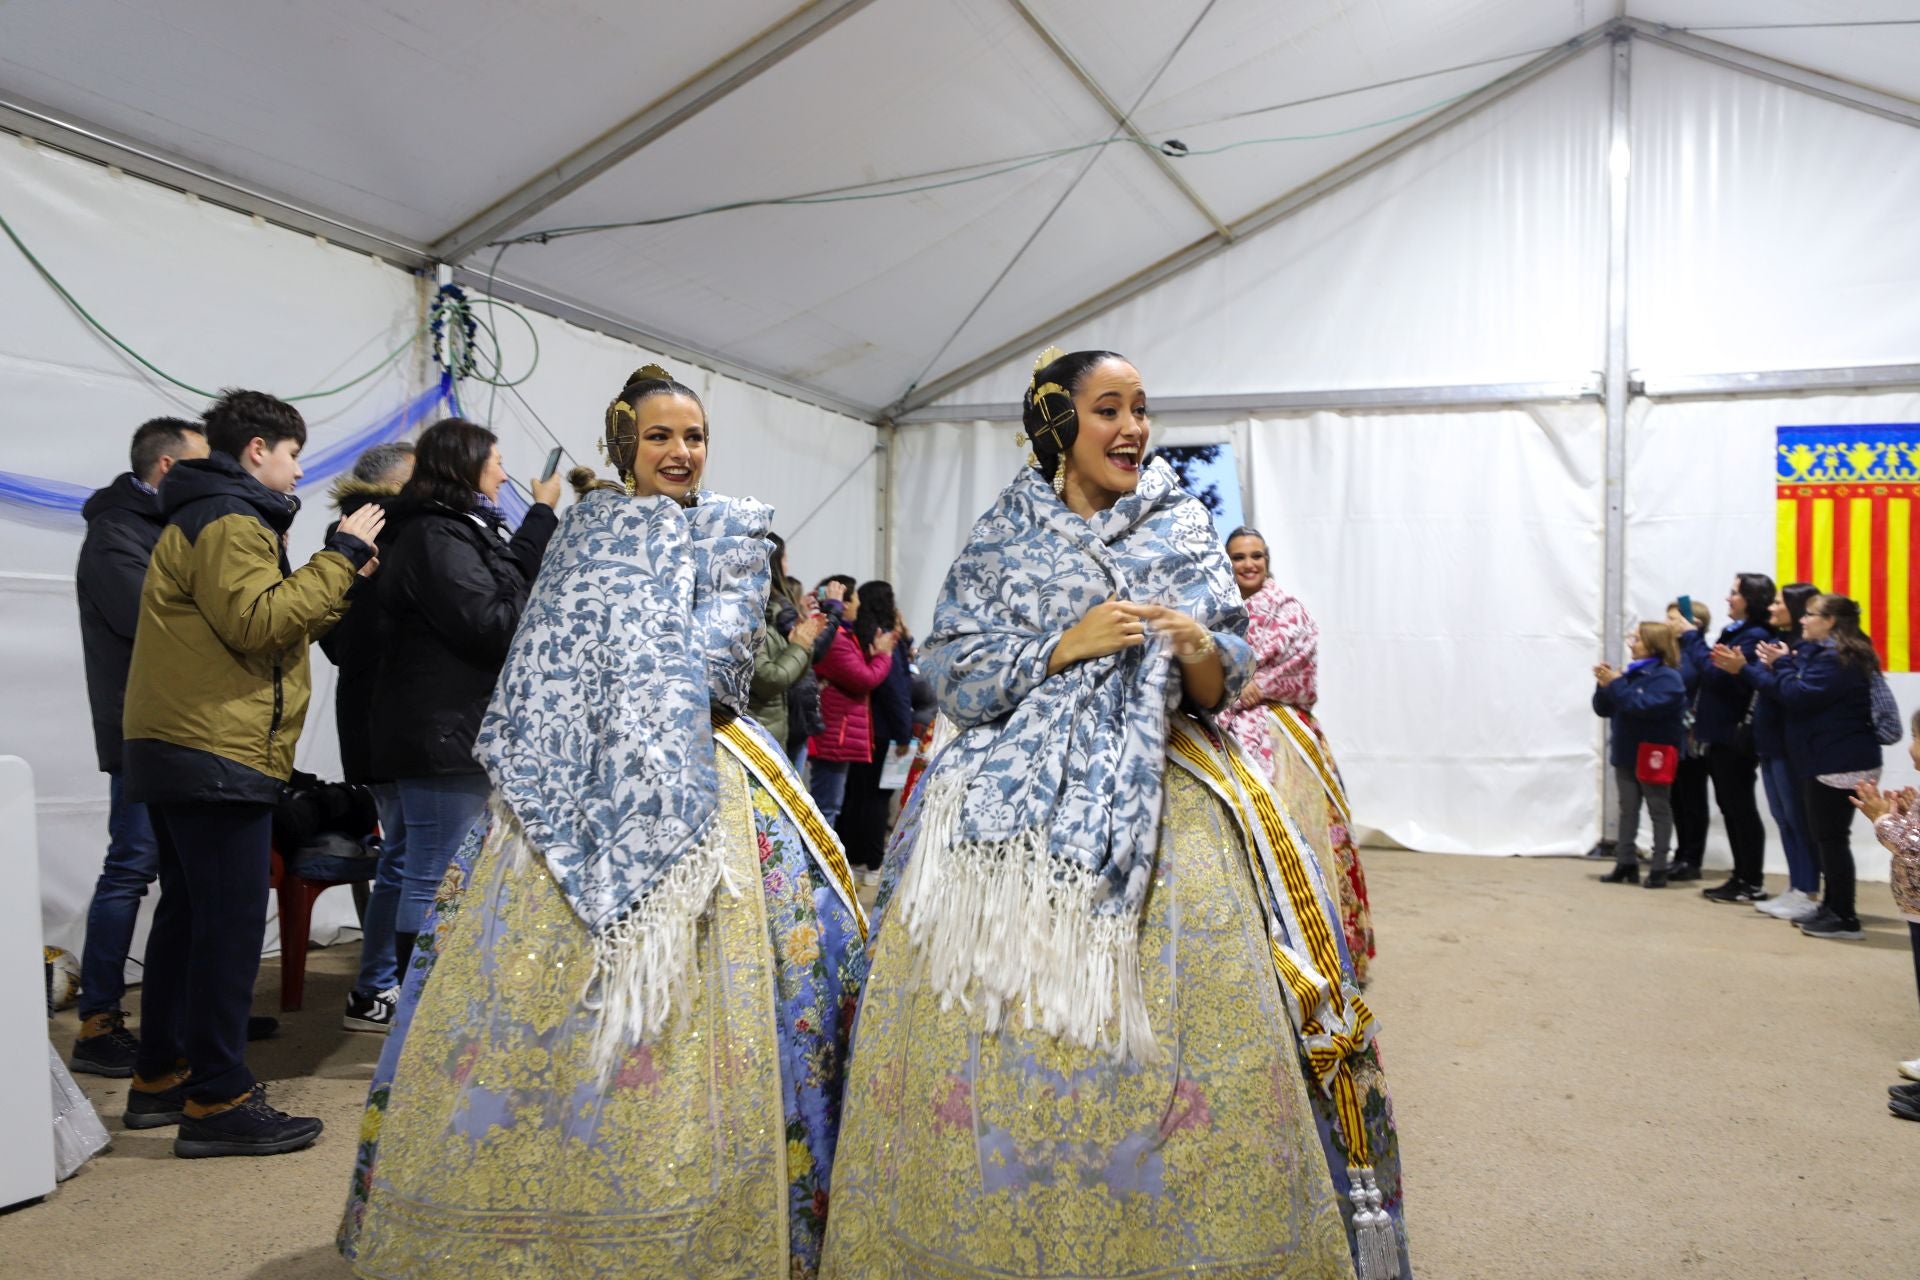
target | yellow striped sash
[
  {"x": 1295, "y": 729},
  {"x": 1335, "y": 1024},
  {"x": 776, "y": 775}
]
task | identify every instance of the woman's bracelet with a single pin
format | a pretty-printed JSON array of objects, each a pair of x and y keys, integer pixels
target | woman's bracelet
[{"x": 1201, "y": 654}]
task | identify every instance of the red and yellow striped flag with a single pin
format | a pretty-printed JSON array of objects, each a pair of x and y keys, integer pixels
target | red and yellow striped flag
[{"x": 1847, "y": 519}]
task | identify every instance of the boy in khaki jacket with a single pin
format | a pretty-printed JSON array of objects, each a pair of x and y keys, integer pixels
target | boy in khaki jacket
[{"x": 216, "y": 699}]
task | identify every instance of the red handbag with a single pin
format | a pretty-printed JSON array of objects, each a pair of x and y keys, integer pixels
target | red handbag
[{"x": 1657, "y": 763}]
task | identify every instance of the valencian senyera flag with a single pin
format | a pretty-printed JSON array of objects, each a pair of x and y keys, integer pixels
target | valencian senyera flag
[{"x": 1847, "y": 520}]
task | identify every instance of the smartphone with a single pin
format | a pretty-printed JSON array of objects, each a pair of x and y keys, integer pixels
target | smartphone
[
  {"x": 553, "y": 463},
  {"x": 1686, "y": 607}
]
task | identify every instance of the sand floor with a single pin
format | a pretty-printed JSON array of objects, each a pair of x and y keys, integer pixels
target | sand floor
[{"x": 1591, "y": 1081}]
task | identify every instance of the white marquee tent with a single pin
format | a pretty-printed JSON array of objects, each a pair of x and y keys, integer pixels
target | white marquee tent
[{"x": 1499, "y": 301}]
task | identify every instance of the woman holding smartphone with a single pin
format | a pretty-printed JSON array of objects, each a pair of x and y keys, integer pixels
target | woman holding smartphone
[{"x": 453, "y": 586}]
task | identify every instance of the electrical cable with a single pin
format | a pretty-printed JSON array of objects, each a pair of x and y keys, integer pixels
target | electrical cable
[{"x": 66, "y": 296}]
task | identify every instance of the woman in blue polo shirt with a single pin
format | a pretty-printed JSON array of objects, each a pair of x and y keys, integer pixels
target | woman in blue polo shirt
[{"x": 1646, "y": 703}]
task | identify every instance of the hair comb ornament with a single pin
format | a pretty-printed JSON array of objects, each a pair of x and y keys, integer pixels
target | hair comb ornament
[{"x": 652, "y": 371}]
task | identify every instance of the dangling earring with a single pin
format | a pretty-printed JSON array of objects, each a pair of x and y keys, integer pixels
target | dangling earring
[
  {"x": 1060, "y": 477},
  {"x": 633, "y": 486}
]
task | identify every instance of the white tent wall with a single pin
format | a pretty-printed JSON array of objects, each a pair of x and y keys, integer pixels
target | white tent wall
[
  {"x": 221, "y": 299},
  {"x": 1769, "y": 229},
  {"x": 1451, "y": 562}
]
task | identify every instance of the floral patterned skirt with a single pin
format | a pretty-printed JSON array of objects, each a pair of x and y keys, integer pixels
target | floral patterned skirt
[
  {"x": 491, "y": 1148},
  {"x": 1015, "y": 1155}
]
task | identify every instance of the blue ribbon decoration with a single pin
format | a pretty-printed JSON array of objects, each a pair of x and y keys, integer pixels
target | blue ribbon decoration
[{"x": 57, "y": 503}]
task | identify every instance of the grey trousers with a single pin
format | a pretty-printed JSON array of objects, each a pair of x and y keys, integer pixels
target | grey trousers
[{"x": 1659, "y": 798}]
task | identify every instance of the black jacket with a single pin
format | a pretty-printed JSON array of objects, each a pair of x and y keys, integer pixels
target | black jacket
[
  {"x": 452, "y": 585},
  {"x": 123, "y": 523},
  {"x": 355, "y": 645}
]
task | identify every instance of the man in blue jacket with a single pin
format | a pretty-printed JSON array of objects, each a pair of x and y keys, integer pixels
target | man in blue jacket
[{"x": 123, "y": 523}]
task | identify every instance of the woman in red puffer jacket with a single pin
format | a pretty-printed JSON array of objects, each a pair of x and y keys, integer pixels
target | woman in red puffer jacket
[{"x": 849, "y": 672}]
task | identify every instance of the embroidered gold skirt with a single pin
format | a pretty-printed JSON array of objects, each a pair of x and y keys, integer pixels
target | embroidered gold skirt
[
  {"x": 502, "y": 1154},
  {"x": 1013, "y": 1155}
]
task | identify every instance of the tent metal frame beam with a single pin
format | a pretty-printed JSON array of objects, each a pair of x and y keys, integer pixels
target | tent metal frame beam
[
  {"x": 733, "y": 71},
  {"x": 1472, "y": 395},
  {"x": 1832, "y": 88},
  {"x": 1260, "y": 219},
  {"x": 1120, "y": 118},
  {"x": 587, "y": 317},
  {"x": 101, "y": 146},
  {"x": 1868, "y": 377}
]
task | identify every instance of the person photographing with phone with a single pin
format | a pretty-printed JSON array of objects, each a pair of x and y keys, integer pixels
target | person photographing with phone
[
  {"x": 455, "y": 582},
  {"x": 1645, "y": 705}
]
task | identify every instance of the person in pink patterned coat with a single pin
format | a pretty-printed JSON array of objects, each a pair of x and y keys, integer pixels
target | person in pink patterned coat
[
  {"x": 1274, "y": 721},
  {"x": 1896, "y": 821}
]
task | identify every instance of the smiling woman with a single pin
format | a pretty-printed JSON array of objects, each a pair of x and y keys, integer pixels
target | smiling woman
[{"x": 1081, "y": 1047}]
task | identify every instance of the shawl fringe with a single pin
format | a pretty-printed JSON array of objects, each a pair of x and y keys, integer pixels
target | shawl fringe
[
  {"x": 642, "y": 962},
  {"x": 999, "y": 922}
]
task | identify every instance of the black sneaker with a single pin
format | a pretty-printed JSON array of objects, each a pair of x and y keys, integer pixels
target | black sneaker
[
  {"x": 253, "y": 1128},
  {"x": 105, "y": 1046},
  {"x": 370, "y": 1013},
  {"x": 1825, "y": 924},
  {"x": 1680, "y": 872},
  {"x": 261, "y": 1027},
  {"x": 1909, "y": 1090},
  {"x": 151, "y": 1109},
  {"x": 1734, "y": 891}
]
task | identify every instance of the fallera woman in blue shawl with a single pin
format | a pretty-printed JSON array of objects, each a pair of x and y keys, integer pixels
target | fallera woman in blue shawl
[
  {"x": 1110, "y": 1027},
  {"x": 620, "y": 1048}
]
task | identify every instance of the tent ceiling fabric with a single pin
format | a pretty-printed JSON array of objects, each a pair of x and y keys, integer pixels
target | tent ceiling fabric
[{"x": 411, "y": 120}]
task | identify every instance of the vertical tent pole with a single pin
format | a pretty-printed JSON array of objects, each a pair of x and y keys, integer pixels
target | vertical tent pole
[
  {"x": 1619, "y": 164},
  {"x": 884, "y": 479}
]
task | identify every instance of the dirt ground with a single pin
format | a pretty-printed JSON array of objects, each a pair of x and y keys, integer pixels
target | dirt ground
[{"x": 1591, "y": 1081}]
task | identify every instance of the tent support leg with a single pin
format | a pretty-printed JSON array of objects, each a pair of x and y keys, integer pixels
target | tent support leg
[{"x": 1613, "y": 619}]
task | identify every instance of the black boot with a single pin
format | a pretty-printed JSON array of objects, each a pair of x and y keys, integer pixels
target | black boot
[{"x": 1622, "y": 873}]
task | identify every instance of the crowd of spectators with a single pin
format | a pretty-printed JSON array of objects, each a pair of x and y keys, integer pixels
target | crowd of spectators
[{"x": 1790, "y": 695}]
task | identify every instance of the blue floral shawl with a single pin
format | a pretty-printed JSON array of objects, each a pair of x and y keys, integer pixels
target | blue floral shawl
[
  {"x": 1043, "y": 816},
  {"x": 599, "y": 738}
]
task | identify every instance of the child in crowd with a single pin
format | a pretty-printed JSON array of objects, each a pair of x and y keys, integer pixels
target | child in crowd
[
  {"x": 1646, "y": 705},
  {"x": 1896, "y": 820},
  {"x": 216, "y": 697}
]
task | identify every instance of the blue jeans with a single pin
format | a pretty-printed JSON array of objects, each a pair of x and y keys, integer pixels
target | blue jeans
[
  {"x": 827, "y": 779},
  {"x": 1783, "y": 799},
  {"x": 378, "y": 970},
  {"x": 133, "y": 861},
  {"x": 438, "y": 813}
]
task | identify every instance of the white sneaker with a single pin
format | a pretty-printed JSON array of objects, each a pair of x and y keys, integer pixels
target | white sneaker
[
  {"x": 1792, "y": 905},
  {"x": 1911, "y": 1070}
]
